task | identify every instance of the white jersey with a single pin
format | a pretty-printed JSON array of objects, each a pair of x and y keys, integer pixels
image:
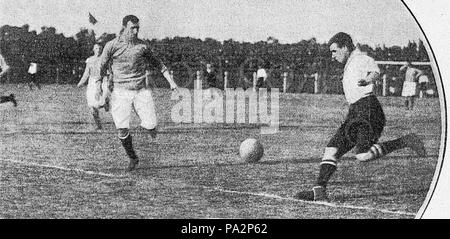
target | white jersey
[
  {"x": 358, "y": 66},
  {"x": 33, "y": 68},
  {"x": 261, "y": 73}
]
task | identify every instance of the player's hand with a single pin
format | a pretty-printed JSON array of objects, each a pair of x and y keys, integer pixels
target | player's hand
[
  {"x": 363, "y": 82},
  {"x": 174, "y": 87}
]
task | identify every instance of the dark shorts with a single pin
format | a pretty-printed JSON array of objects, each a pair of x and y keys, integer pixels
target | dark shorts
[
  {"x": 362, "y": 127},
  {"x": 260, "y": 83}
]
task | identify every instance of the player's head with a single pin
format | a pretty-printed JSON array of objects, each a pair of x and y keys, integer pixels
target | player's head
[
  {"x": 130, "y": 26},
  {"x": 341, "y": 46},
  {"x": 97, "y": 49}
]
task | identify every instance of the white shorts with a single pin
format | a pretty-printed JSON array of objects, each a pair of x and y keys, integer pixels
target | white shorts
[
  {"x": 90, "y": 95},
  {"x": 409, "y": 89},
  {"x": 123, "y": 101}
]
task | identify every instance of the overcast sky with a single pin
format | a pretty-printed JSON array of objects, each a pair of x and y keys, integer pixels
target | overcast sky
[{"x": 368, "y": 21}]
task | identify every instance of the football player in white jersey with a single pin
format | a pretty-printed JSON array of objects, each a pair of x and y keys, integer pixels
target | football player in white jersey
[
  {"x": 365, "y": 119},
  {"x": 410, "y": 85},
  {"x": 92, "y": 76}
]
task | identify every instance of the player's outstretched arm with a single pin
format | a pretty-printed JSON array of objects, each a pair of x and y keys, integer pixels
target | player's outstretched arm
[
  {"x": 154, "y": 61},
  {"x": 169, "y": 79},
  {"x": 370, "y": 79}
]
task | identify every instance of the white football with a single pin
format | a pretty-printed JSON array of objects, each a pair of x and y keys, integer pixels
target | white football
[{"x": 251, "y": 150}]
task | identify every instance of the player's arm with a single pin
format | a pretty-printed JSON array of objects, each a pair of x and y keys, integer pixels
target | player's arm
[
  {"x": 419, "y": 73},
  {"x": 105, "y": 65},
  {"x": 105, "y": 60},
  {"x": 370, "y": 78},
  {"x": 373, "y": 72},
  {"x": 5, "y": 68},
  {"x": 158, "y": 63},
  {"x": 169, "y": 79},
  {"x": 85, "y": 76}
]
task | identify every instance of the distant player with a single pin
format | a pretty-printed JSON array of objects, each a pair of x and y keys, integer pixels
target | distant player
[
  {"x": 210, "y": 76},
  {"x": 92, "y": 75},
  {"x": 365, "y": 119},
  {"x": 410, "y": 85},
  {"x": 129, "y": 57},
  {"x": 33, "y": 71},
  {"x": 4, "y": 68},
  {"x": 261, "y": 77}
]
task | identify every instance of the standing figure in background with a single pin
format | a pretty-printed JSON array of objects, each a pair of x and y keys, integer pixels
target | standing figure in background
[
  {"x": 92, "y": 75},
  {"x": 33, "y": 71},
  {"x": 261, "y": 76},
  {"x": 410, "y": 89},
  {"x": 210, "y": 76},
  {"x": 4, "y": 68}
]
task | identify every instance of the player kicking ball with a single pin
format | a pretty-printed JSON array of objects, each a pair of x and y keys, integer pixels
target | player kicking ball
[
  {"x": 129, "y": 58},
  {"x": 95, "y": 99},
  {"x": 365, "y": 119}
]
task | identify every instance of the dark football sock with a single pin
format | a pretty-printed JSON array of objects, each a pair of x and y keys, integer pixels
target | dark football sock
[
  {"x": 325, "y": 173},
  {"x": 95, "y": 115},
  {"x": 127, "y": 144},
  {"x": 392, "y": 145},
  {"x": 4, "y": 99}
]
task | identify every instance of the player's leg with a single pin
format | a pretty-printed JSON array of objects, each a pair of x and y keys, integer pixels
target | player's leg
[
  {"x": 364, "y": 124},
  {"x": 373, "y": 150},
  {"x": 259, "y": 82},
  {"x": 11, "y": 98},
  {"x": 4, "y": 99},
  {"x": 127, "y": 143},
  {"x": 121, "y": 105},
  {"x": 336, "y": 148},
  {"x": 96, "y": 116},
  {"x": 367, "y": 135},
  {"x": 145, "y": 109},
  {"x": 30, "y": 81},
  {"x": 411, "y": 141},
  {"x": 106, "y": 106},
  {"x": 105, "y": 98},
  {"x": 379, "y": 150},
  {"x": 38, "y": 85}
]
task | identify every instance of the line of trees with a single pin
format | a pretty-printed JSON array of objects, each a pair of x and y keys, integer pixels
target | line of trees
[{"x": 63, "y": 57}]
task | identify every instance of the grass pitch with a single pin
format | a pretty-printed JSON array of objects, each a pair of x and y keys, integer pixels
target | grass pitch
[{"x": 53, "y": 164}]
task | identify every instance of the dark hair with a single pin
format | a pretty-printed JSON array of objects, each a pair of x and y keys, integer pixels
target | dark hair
[
  {"x": 343, "y": 39},
  {"x": 101, "y": 45},
  {"x": 129, "y": 18}
]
